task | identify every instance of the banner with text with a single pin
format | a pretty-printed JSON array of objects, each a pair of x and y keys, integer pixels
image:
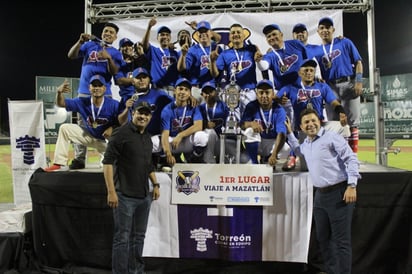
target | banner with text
[
  {"x": 27, "y": 145},
  {"x": 396, "y": 95},
  {"x": 216, "y": 184},
  {"x": 397, "y": 117}
]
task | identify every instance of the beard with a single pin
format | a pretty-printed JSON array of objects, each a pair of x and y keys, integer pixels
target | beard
[{"x": 142, "y": 89}]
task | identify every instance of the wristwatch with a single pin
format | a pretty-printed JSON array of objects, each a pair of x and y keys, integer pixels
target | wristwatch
[
  {"x": 352, "y": 185},
  {"x": 156, "y": 185}
]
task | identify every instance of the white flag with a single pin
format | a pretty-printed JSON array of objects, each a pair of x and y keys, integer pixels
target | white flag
[{"x": 27, "y": 145}]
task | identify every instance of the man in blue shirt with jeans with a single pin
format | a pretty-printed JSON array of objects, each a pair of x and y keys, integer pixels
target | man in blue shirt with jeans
[{"x": 333, "y": 168}]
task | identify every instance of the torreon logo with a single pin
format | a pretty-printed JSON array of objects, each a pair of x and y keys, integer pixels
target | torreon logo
[{"x": 201, "y": 235}]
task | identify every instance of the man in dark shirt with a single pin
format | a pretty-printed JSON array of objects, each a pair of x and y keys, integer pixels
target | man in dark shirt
[{"x": 127, "y": 168}]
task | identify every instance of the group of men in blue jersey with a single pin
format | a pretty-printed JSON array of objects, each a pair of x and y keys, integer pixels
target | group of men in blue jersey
[
  {"x": 174, "y": 102},
  {"x": 326, "y": 77}
]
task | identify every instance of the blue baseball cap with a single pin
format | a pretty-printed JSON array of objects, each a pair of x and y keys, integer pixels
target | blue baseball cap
[
  {"x": 264, "y": 82},
  {"x": 163, "y": 29},
  {"x": 208, "y": 84},
  {"x": 299, "y": 28},
  {"x": 183, "y": 81},
  {"x": 309, "y": 63},
  {"x": 327, "y": 21},
  {"x": 125, "y": 41},
  {"x": 138, "y": 71},
  {"x": 97, "y": 78},
  {"x": 203, "y": 25},
  {"x": 269, "y": 28}
]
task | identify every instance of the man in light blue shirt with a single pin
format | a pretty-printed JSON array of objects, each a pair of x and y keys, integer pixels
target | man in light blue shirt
[{"x": 333, "y": 168}]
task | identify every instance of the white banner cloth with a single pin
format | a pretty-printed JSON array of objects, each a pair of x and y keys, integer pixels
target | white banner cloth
[
  {"x": 27, "y": 145},
  {"x": 217, "y": 184},
  {"x": 285, "y": 227}
]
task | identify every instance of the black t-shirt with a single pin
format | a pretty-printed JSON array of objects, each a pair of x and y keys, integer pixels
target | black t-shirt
[{"x": 130, "y": 153}]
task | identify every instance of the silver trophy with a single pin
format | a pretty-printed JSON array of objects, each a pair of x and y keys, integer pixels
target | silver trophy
[{"x": 231, "y": 96}]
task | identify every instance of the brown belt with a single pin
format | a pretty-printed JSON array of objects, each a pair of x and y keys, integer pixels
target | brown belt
[{"x": 332, "y": 187}]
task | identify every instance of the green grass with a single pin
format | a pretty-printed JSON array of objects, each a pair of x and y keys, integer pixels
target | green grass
[
  {"x": 6, "y": 179},
  {"x": 6, "y": 186},
  {"x": 400, "y": 160},
  {"x": 366, "y": 154}
]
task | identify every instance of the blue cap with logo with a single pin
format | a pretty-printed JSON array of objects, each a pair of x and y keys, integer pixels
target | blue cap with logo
[
  {"x": 138, "y": 71},
  {"x": 309, "y": 63},
  {"x": 299, "y": 28},
  {"x": 264, "y": 82},
  {"x": 183, "y": 81},
  {"x": 209, "y": 84},
  {"x": 203, "y": 25},
  {"x": 125, "y": 41},
  {"x": 97, "y": 78},
  {"x": 163, "y": 29},
  {"x": 326, "y": 21},
  {"x": 268, "y": 28}
]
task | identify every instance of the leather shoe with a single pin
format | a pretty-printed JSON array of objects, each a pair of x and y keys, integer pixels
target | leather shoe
[{"x": 76, "y": 164}]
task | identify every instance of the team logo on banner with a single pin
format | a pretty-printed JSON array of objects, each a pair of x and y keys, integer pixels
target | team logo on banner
[
  {"x": 188, "y": 182},
  {"x": 235, "y": 184},
  {"x": 27, "y": 145}
]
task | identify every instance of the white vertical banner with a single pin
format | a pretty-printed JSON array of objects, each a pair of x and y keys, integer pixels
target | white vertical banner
[{"x": 27, "y": 145}]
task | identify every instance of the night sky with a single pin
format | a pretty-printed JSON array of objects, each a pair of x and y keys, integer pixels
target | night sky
[{"x": 37, "y": 36}]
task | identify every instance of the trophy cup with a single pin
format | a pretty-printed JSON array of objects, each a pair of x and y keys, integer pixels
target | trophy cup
[{"x": 231, "y": 96}]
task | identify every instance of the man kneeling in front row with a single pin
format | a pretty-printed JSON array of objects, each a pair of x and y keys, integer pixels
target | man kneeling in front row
[{"x": 100, "y": 114}]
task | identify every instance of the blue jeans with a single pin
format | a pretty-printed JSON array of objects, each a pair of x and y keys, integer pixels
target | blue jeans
[
  {"x": 130, "y": 224},
  {"x": 333, "y": 219}
]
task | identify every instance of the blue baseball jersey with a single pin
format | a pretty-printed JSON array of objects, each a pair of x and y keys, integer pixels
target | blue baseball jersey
[
  {"x": 176, "y": 119},
  {"x": 163, "y": 68},
  {"x": 275, "y": 119},
  {"x": 300, "y": 96},
  {"x": 312, "y": 51},
  {"x": 106, "y": 118},
  {"x": 198, "y": 63},
  {"x": 157, "y": 100},
  {"x": 92, "y": 65},
  {"x": 292, "y": 55},
  {"x": 125, "y": 71},
  {"x": 217, "y": 114},
  {"x": 243, "y": 63},
  {"x": 343, "y": 56}
]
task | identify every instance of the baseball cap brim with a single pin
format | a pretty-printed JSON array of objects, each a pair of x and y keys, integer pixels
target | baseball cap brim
[{"x": 309, "y": 63}]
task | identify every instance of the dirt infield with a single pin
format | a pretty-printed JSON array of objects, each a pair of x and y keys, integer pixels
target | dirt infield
[{"x": 371, "y": 148}]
